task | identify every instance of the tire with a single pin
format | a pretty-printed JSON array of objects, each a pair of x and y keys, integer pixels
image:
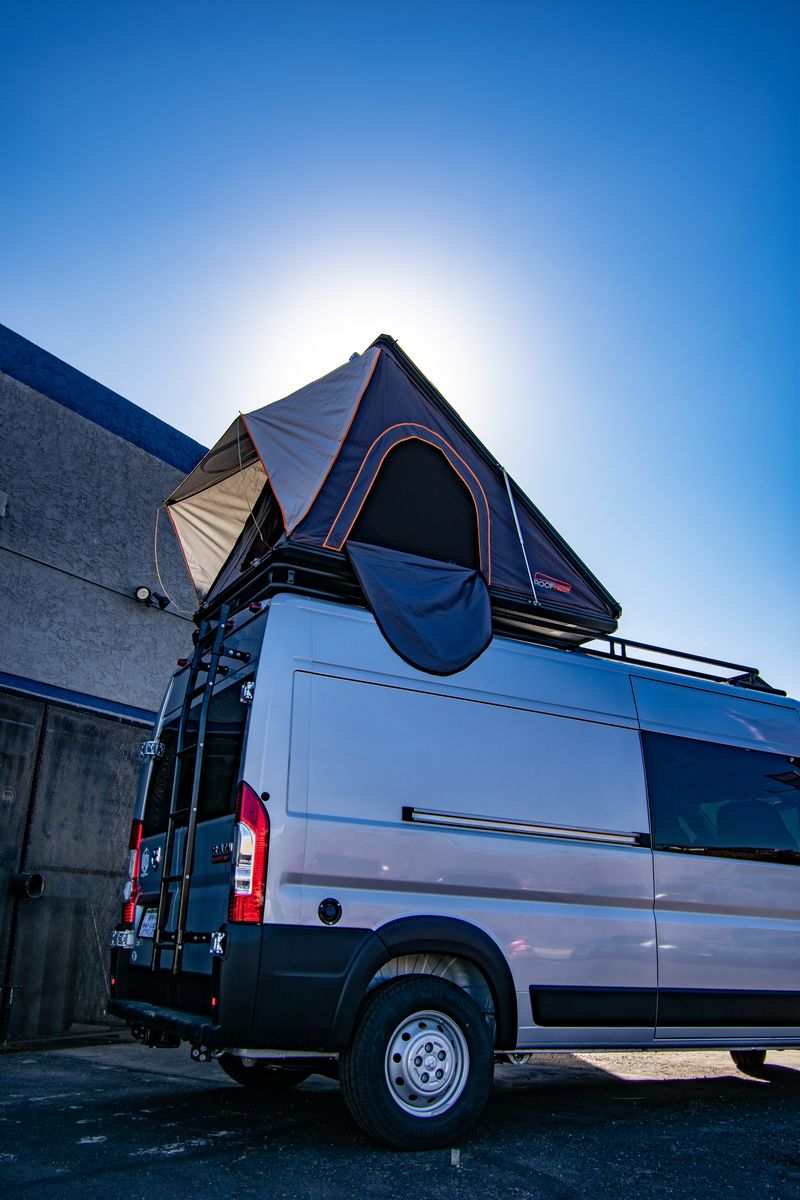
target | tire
[
  {"x": 261, "y": 1074},
  {"x": 749, "y": 1061},
  {"x": 517, "y": 1060},
  {"x": 391, "y": 1079}
]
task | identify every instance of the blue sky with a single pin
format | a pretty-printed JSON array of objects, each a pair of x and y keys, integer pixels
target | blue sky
[{"x": 580, "y": 219}]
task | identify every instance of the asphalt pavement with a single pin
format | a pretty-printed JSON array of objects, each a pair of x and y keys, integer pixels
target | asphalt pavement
[{"x": 140, "y": 1124}]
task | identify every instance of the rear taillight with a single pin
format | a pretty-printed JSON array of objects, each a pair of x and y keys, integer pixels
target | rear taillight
[
  {"x": 130, "y": 893},
  {"x": 250, "y": 849}
]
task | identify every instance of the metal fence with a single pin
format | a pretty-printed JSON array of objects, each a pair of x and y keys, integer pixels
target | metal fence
[{"x": 67, "y": 788}]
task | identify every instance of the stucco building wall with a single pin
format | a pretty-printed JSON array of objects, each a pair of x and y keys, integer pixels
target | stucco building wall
[
  {"x": 76, "y": 539},
  {"x": 83, "y": 668}
]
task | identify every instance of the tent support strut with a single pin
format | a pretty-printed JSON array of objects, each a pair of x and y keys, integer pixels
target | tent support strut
[{"x": 519, "y": 534}]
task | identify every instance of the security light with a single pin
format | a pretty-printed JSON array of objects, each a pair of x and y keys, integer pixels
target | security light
[{"x": 155, "y": 599}]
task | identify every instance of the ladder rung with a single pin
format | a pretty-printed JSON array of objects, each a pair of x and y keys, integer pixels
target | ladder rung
[{"x": 210, "y": 642}]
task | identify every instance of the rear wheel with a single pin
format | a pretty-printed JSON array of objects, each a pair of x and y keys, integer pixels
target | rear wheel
[
  {"x": 749, "y": 1061},
  {"x": 419, "y": 1068},
  {"x": 261, "y": 1074}
]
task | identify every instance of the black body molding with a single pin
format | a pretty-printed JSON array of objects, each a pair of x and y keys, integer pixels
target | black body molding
[
  {"x": 665, "y": 1008},
  {"x": 299, "y": 987}
]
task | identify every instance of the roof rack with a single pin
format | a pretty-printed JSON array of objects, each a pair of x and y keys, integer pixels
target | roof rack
[
  {"x": 327, "y": 575},
  {"x": 620, "y": 648}
]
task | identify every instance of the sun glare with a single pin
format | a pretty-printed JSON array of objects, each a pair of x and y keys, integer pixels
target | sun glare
[{"x": 310, "y": 317}]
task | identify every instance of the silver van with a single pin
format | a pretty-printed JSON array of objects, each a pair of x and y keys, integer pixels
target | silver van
[{"x": 341, "y": 863}]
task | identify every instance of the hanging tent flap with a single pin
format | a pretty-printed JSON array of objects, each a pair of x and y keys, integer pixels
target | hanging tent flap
[
  {"x": 298, "y": 438},
  {"x": 435, "y": 615}
]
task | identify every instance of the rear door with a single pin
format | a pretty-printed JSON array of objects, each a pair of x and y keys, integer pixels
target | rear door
[{"x": 209, "y": 887}]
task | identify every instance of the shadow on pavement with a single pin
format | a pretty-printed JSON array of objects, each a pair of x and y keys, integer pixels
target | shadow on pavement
[{"x": 559, "y": 1128}]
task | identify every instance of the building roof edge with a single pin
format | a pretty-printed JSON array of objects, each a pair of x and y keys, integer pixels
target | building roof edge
[{"x": 38, "y": 369}]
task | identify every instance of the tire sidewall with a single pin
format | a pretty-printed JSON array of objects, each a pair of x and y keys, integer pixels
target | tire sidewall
[{"x": 365, "y": 1064}]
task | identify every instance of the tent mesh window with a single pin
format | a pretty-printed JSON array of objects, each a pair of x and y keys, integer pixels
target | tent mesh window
[{"x": 434, "y": 517}]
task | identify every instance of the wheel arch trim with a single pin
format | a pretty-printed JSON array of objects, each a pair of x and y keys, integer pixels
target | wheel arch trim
[{"x": 418, "y": 935}]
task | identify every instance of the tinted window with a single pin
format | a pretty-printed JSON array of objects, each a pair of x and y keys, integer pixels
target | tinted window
[
  {"x": 220, "y": 770},
  {"x": 222, "y": 753},
  {"x": 722, "y": 800}
]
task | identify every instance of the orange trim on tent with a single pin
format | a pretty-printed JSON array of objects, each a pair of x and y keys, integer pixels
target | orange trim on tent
[
  {"x": 183, "y": 552},
  {"x": 411, "y": 437}
]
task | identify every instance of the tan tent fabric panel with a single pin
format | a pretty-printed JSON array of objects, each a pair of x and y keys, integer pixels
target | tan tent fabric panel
[{"x": 209, "y": 522}]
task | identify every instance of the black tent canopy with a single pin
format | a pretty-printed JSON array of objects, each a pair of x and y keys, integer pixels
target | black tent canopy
[{"x": 371, "y": 464}]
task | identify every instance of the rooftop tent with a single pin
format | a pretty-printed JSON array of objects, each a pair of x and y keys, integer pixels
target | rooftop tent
[{"x": 371, "y": 465}]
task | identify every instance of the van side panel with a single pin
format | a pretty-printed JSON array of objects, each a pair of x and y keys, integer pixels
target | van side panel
[
  {"x": 730, "y": 928},
  {"x": 568, "y": 913}
]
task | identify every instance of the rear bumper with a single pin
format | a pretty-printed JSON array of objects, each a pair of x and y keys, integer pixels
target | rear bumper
[
  {"x": 278, "y": 987},
  {"x": 186, "y": 1026}
]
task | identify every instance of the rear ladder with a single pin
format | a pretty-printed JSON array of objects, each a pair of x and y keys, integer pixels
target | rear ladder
[{"x": 175, "y": 940}]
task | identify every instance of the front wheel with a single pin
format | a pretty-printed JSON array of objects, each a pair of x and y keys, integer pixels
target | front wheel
[
  {"x": 419, "y": 1068},
  {"x": 261, "y": 1074},
  {"x": 749, "y": 1061}
]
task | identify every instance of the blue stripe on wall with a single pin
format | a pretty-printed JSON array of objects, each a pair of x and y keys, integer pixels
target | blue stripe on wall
[
  {"x": 29, "y": 364},
  {"x": 46, "y": 691}
]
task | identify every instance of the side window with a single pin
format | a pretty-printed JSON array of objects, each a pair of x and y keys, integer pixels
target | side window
[
  {"x": 159, "y": 791},
  {"x": 222, "y": 753},
  {"x": 722, "y": 800}
]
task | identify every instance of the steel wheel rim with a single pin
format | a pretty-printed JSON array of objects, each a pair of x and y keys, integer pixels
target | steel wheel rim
[{"x": 426, "y": 1064}]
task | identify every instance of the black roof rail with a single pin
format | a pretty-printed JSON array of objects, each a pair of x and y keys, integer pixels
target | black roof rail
[{"x": 620, "y": 648}]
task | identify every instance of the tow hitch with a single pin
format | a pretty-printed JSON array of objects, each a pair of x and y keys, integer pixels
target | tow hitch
[{"x": 157, "y": 1038}]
